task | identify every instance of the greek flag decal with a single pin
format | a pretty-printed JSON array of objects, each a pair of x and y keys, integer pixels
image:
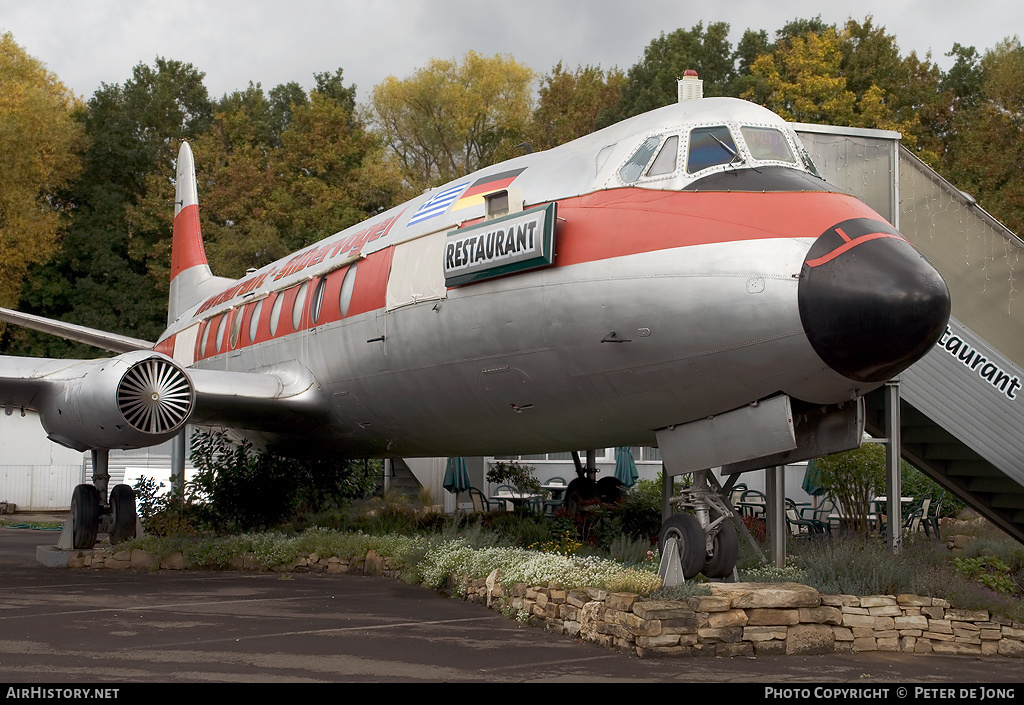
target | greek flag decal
[{"x": 437, "y": 204}]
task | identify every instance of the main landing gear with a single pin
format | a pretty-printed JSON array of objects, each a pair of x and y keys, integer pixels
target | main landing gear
[
  {"x": 92, "y": 513},
  {"x": 706, "y": 540}
]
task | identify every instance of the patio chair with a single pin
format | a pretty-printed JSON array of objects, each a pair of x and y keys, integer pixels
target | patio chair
[
  {"x": 752, "y": 503},
  {"x": 913, "y": 524},
  {"x": 800, "y": 527},
  {"x": 930, "y": 522},
  {"x": 480, "y": 501},
  {"x": 551, "y": 505},
  {"x": 910, "y": 521},
  {"x": 821, "y": 514},
  {"x": 736, "y": 494},
  {"x": 506, "y": 489}
]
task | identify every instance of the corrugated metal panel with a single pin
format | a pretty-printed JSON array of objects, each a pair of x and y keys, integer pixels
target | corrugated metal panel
[
  {"x": 39, "y": 487},
  {"x": 971, "y": 408}
]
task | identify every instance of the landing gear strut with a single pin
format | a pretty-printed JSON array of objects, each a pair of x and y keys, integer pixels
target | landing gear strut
[{"x": 92, "y": 514}]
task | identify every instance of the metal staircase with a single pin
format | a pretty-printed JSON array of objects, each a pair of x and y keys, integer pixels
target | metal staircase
[{"x": 962, "y": 405}]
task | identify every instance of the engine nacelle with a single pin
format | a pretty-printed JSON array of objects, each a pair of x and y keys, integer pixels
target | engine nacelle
[{"x": 134, "y": 400}]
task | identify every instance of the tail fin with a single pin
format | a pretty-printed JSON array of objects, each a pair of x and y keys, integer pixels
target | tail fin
[{"x": 191, "y": 278}]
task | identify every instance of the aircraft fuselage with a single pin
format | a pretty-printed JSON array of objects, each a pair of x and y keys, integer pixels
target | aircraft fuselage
[{"x": 671, "y": 292}]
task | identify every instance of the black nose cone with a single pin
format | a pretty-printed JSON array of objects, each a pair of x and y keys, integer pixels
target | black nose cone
[{"x": 870, "y": 304}]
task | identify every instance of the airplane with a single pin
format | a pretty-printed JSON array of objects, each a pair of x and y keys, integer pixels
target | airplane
[{"x": 683, "y": 278}]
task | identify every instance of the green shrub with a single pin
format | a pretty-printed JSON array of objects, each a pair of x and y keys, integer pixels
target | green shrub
[
  {"x": 520, "y": 528},
  {"x": 631, "y": 551},
  {"x": 988, "y": 570},
  {"x": 853, "y": 478},
  {"x": 238, "y": 487},
  {"x": 789, "y": 573},
  {"x": 638, "y": 515},
  {"x": 853, "y": 566}
]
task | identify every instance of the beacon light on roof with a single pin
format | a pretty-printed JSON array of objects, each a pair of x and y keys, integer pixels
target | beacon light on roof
[{"x": 690, "y": 87}]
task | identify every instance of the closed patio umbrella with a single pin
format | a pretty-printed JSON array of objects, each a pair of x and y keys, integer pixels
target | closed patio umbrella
[
  {"x": 812, "y": 478},
  {"x": 625, "y": 466},
  {"x": 456, "y": 476}
]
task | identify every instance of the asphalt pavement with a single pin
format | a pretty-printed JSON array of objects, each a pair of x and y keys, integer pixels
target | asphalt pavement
[{"x": 61, "y": 626}]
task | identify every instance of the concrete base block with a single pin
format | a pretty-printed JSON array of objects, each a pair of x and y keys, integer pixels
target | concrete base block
[{"x": 53, "y": 557}]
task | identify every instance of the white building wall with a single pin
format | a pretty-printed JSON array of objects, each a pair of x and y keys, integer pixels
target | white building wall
[{"x": 35, "y": 472}]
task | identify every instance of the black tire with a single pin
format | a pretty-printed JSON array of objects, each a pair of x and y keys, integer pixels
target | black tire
[
  {"x": 580, "y": 490},
  {"x": 725, "y": 551},
  {"x": 685, "y": 529},
  {"x": 611, "y": 490},
  {"x": 122, "y": 514},
  {"x": 85, "y": 516}
]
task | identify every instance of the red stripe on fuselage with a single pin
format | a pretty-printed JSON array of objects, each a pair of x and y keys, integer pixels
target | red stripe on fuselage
[
  {"x": 624, "y": 222},
  {"x": 600, "y": 226},
  {"x": 369, "y": 294}
]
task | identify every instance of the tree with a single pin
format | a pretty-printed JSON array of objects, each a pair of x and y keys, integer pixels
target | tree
[
  {"x": 893, "y": 92},
  {"x": 271, "y": 186},
  {"x": 39, "y": 144},
  {"x": 852, "y": 76},
  {"x": 111, "y": 270},
  {"x": 652, "y": 82},
  {"x": 570, "y": 103},
  {"x": 853, "y": 478},
  {"x": 452, "y": 118},
  {"x": 802, "y": 81},
  {"x": 986, "y": 146}
]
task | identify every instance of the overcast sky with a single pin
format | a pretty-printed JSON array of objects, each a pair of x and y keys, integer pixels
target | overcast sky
[{"x": 87, "y": 43}]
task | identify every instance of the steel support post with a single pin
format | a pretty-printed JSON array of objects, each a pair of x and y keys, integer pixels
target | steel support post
[
  {"x": 893, "y": 479},
  {"x": 178, "y": 463},
  {"x": 775, "y": 484}
]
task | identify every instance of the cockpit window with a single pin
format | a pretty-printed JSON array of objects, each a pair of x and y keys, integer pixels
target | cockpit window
[
  {"x": 710, "y": 146},
  {"x": 767, "y": 144},
  {"x": 632, "y": 170},
  {"x": 665, "y": 162}
]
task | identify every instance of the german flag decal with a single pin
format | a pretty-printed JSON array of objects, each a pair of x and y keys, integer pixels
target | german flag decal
[{"x": 474, "y": 195}]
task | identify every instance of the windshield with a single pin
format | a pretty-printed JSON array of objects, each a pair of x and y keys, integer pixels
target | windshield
[
  {"x": 710, "y": 146},
  {"x": 767, "y": 144}
]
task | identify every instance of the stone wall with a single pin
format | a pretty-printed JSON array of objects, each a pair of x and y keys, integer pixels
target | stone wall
[
  {"x": 737, "y": 619},
  {"x": 752, "y": 619}
]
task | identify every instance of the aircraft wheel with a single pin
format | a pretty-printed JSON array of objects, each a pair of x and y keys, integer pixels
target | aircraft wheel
[
  {"x": 123, "y": 514},
  {"x": 85, "y": 515},
  {"x": 579, "y": 491},
  {"x": 689, "y": 536},
  {"x": 611, "y": 490},
  {"x": 724, "y": 551}
]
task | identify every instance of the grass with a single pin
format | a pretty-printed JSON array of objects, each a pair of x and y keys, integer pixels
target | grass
[{"x": 41, "y": 525}]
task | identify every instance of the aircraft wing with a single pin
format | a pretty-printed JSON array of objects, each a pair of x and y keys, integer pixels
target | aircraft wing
[
  {"x": 141, "y": 398},
  {"x": 80, "y": 334}
]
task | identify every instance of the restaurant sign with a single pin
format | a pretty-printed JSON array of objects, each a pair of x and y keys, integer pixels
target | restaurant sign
[{"x": 493, "y": 248}]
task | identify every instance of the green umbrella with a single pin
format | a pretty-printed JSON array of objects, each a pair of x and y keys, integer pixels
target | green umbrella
[
  {"x": 812, "y": 480},
  {"x": 456, "y": 476},
  {"x": 625, "y": 466}
]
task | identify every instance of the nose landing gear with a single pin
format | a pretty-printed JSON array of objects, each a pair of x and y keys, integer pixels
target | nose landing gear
[{"x": 706, "y": 540}]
